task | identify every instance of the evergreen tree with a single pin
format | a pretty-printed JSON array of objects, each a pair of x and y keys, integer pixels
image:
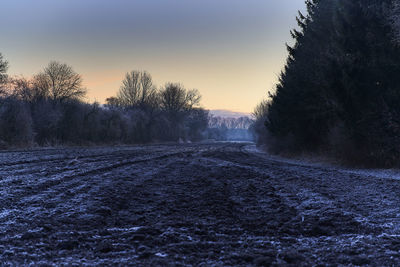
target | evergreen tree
[
  {"x": 301, "y": 108},
  {"x": 343, "y": 70}
]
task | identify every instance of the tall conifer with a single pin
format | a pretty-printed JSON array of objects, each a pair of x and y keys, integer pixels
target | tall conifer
[{"x": 344, "y": 69}]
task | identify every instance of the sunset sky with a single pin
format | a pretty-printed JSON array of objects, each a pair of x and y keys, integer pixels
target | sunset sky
[{"x": 231, "y": 50}]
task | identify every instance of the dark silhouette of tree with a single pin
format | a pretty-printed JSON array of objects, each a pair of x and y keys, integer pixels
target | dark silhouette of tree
[
  {"x": 175, "y": 98},
  {"x": 196, "y": 122},
  {"x": 177, "y": 104},
  {"x": 258, "y": 128},
  {"x": 113, "y": 102},
  {"x": 22, "y": 88},
  {"x": 59, "y": 82},
  {"x": 48, "y": 110},
  {"x": 137, "y": 89},
  {"x": 261, "y": 111},
  {"x": 341, "y": 73},
  {"x": 15, "y": 122}
]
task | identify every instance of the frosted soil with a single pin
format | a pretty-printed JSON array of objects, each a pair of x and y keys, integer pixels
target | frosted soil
[{"x": 192, "y": 204}]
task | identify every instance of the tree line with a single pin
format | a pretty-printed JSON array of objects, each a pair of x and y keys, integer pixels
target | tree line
[
  {"x": 339, "y": 91},
  {"x": 230, "y": 129},
  {"x": 49, "y": 109}
]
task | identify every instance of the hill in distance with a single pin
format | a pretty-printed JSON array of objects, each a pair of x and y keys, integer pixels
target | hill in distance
[{"x": 228, "y": 113}]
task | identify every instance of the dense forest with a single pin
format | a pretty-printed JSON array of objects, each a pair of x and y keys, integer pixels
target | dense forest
[
  {"x": 49, "y": 109},
  {"x": 339, "y": 92}
]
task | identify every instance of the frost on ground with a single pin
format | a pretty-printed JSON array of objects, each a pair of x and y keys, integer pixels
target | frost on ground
[{"x": 192, "y": 204}]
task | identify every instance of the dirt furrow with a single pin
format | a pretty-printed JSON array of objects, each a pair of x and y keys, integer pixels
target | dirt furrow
[{"x": 196, "y": 204}]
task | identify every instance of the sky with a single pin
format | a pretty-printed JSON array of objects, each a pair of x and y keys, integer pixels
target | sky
[{"x": 232, "y": 51}]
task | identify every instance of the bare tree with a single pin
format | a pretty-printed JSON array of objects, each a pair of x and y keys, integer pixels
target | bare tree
[
  {"x": 261, "y": 110},
  {"x": 177, "y": 103},
  {"x": 59, "y": 82},
  {"x": 113, "y": 102},
  {"x": 137, "y": 89},
  {"x": 24, "y": 89},
  {"x": 175, "y": 98},
  {"x": 193, "y": 98},
  {"x": 259, "y": 128},
  {"x": 21, "y": 87}
]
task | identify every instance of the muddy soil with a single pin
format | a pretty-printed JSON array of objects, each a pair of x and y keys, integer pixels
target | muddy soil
[{"x": 194, "y": 204}]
